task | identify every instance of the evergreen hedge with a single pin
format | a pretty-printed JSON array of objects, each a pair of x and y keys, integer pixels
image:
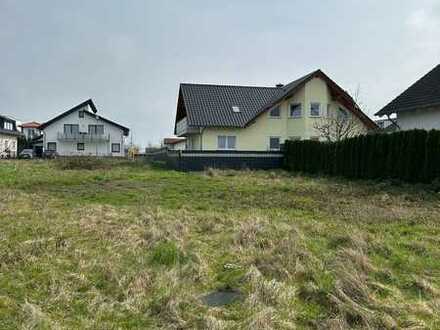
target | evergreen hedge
[{"x": 412, "y": 156}]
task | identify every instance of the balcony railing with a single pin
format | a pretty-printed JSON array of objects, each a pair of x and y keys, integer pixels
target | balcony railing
[
  {"x": 83, "y": 137},
  {"x": 182, "y": 128}
]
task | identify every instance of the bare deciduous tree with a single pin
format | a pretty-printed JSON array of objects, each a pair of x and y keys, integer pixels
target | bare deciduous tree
[
  {"x": 336, "y": 128},
  {"x": 339, "y": 125}
]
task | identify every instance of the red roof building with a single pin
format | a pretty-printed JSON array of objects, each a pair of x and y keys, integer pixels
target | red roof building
[{"x": 32, "y": 124}]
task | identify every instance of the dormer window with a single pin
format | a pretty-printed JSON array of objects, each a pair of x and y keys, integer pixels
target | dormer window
[
  {"x": 8, "y": 125},
  {"x": 275, "y": 112}
]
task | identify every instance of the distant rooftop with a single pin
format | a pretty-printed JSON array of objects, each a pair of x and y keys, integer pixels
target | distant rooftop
[
  {"x": 424, "y": 93},
  {"x": 31, "y": 124}
]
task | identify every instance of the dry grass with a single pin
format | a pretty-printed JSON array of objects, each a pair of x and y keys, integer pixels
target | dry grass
[{"x": 134, "y": 247}]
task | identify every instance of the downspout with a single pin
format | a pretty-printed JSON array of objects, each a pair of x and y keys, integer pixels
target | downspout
[
  {"x": 96, "y": 129},
  {"x": 201, "y": 129}
]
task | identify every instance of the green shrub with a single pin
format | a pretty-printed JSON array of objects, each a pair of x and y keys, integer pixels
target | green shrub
[
  {"x": 411, "y": 156},
  {"x": 229, "y": 276}
]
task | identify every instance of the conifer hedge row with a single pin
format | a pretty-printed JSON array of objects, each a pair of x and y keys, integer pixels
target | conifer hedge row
[{"x": 412, "y": 156}]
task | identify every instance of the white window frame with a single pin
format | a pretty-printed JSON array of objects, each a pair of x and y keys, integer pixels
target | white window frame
[
  {"x": 319, "y": 109},
  {"x": 290, "y": 110},
  {"x": 275, "y": 117},
  {"x": 8, "y": 125},
  {"x": 279, "y": 143},
  {"x": 228, "y": 139}
]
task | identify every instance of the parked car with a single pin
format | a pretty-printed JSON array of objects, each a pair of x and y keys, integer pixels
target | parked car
[{"x": 26, "y": 154}]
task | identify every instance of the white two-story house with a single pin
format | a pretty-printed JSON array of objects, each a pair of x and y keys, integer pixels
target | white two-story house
[{"x": 80, "y": 131}]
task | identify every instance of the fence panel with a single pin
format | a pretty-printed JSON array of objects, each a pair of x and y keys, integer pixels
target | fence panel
[{"x": 188, "y": 160}]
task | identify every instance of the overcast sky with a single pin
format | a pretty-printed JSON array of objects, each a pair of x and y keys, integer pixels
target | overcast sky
[{"x": 130, "y": 56}]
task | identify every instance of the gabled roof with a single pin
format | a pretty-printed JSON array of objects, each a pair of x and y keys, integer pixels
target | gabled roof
[
  {"x": 424, "y": 93},
  {"x": 211, "y": 105},
  {"x": 90, "y": 103},
  {"x": 124, "y": 129},
  {"x": 6, "y": 118}
]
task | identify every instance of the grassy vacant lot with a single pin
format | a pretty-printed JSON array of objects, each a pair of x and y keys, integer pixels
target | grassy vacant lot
[{"x": 122, "y": 245}]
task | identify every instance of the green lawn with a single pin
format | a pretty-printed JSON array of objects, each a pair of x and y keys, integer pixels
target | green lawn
[{"x": 130, "y": 246}]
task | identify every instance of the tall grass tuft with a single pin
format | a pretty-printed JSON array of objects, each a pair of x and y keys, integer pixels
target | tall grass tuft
[{"x": 166, "y": 254}]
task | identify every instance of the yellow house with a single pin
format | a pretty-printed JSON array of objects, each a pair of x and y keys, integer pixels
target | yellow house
[{"x": 243, "y": 118}]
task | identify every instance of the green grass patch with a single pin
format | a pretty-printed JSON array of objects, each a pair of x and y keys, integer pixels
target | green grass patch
[
  {"x": 167, "y": 254},
  {"x": 102, "y": 243}
]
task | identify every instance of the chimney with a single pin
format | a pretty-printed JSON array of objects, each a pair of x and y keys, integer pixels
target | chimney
[{"x": 279, "y": 85}]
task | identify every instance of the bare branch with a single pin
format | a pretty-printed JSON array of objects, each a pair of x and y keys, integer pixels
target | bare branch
[{"x": 337, "y": 128}]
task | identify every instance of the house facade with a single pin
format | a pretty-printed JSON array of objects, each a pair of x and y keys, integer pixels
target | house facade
[
  {"x": 218, "y": 117},
  {"x": 419, "y": 105},
  {"x": 9, "y": 134},
  {"x": 80, "y": 131}
]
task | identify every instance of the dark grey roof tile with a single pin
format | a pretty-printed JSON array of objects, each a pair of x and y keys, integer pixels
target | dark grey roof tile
[{"x": 211, "y": 105}]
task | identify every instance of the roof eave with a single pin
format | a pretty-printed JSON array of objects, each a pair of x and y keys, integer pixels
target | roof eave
[
  {"x": 65, "y": 113},
  {"x": 385, "y": 111},
  {"x": 90, "y": 103}
]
